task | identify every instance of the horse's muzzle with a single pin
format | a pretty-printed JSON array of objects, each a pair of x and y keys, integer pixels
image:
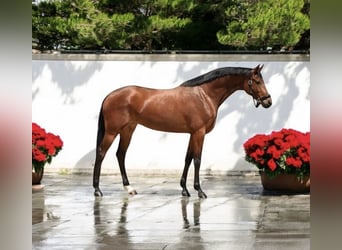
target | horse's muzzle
[{"x": 265, "y": 101}]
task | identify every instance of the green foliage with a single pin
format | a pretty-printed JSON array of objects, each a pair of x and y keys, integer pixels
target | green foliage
[
  {"x": 266, "y": 23},
  {"x": 169, "y": 24}
]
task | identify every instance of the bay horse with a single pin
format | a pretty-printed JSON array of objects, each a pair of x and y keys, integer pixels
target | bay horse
[{"x": 188, "y": 108}]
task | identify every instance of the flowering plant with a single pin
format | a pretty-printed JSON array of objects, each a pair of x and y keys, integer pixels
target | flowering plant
[
  {"x": 44, "y": 147},
  {"x": 284, "y": 151}
]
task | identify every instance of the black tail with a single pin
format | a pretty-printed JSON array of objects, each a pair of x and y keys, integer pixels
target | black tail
[
  {"x": 100, "y": 130},
  {"x": 98, "y": 160}
]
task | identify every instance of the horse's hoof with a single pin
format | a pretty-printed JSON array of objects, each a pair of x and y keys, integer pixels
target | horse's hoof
[
  {"x": 202, "y": 195},
  {"x": 133, "y": 192},
  {"x": 130, "y": 190},
  {"x": 185, "y": 193},
  {"x": 98, "y": 193}
]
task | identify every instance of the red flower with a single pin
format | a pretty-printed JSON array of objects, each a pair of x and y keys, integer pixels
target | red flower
[
  {"x": 277, "y": 135},
  {"x": 271, "y": 164},
  {"x": 303, "y": 154},
  {"x": 44, "y": 146},
  {"x": 296, "y": 162},
  {"x": 284, "y": 151},
  {"x": 292, "y": 140},
  {"x": 38, "y": 155},
  {"x": 274, "y": 152}
]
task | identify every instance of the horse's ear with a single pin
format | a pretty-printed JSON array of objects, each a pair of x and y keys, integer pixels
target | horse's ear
[{"x": 259, "y": 68}]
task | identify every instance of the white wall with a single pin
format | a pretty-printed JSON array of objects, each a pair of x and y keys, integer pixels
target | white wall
[{"x": 67, "y": 95}]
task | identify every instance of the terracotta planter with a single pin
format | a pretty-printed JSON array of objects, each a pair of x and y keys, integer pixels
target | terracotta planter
[
  {"x": 288, "y": 183},
  {"x": 37, "y": 177}
]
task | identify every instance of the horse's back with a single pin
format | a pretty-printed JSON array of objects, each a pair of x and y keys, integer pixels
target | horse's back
[{"x": 129, "y": 104}]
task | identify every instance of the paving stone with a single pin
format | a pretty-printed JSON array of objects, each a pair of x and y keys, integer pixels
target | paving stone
[{"x": 237, "y": 214}]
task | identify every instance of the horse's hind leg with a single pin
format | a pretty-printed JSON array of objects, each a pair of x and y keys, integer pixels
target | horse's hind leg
[
  {"x": 125, "y": 139},
  {"x": 100, "y": 154}
]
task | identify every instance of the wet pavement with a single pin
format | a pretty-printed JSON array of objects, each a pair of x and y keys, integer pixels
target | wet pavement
[{"x": 238, "y": 214}]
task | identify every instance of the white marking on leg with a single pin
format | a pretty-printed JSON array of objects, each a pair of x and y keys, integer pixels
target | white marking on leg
[{"x": 130, "y": 190}]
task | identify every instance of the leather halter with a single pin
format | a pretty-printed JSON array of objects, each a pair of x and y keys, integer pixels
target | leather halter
[{"x": 256, "y": 101}]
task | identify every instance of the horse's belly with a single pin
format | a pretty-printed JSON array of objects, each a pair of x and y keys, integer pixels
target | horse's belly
[{"x": 165, "y": 124}]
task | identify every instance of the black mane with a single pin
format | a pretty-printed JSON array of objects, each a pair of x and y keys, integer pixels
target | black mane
[{"x": 214, "y": 74}]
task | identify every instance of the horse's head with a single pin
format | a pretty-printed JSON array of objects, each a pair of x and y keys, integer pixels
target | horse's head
[{"x": 255, "y": 87}]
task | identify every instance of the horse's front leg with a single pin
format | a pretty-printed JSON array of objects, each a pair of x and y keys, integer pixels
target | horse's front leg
[
  {"x": 197, "y": 185},
  {"x": 194, "y": 152},
  {"x": 198, "y": 139}
]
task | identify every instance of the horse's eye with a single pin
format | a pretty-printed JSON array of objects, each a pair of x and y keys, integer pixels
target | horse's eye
[{"x": 256, "y": 81}]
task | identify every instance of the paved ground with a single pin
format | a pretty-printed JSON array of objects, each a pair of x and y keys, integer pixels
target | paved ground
[{"x": 237, "y": 214}]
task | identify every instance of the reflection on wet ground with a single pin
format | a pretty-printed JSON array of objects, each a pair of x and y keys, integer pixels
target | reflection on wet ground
[{"x": 236, "y": 215}]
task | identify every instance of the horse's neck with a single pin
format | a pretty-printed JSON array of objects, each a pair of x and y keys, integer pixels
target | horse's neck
[{"x": 222, "y": 88}]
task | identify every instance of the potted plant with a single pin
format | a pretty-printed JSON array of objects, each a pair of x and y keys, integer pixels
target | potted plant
[
  {"x": 45, "y": 146},
  {"x": 283, "y": 159}
]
